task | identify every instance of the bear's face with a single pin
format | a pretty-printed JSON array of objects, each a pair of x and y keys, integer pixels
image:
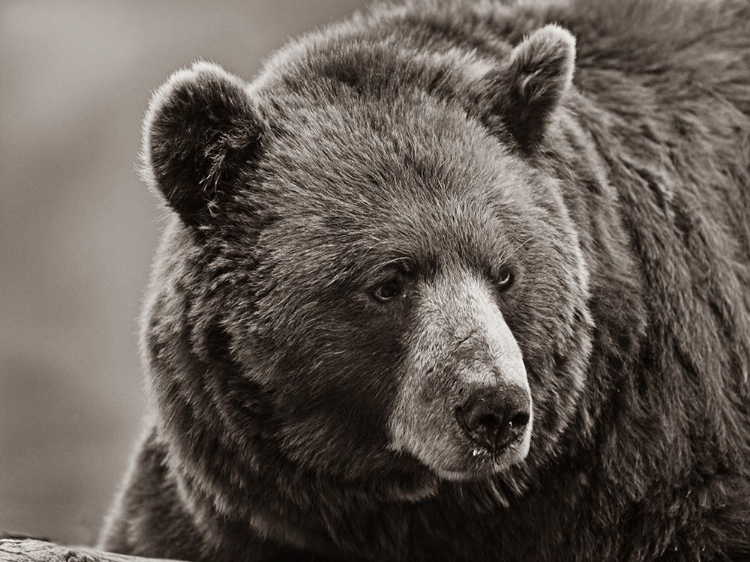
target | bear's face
[{"x": 406, "y": 288}]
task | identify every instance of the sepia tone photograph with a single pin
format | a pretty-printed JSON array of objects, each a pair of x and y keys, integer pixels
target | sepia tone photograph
[{"x": 351, "y": 280}]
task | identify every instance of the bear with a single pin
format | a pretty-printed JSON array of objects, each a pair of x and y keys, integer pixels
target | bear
[{"x": 454, "y": 280}]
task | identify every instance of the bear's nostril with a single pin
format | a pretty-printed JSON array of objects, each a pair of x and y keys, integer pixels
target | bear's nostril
[{"x": 519, "y": 420}]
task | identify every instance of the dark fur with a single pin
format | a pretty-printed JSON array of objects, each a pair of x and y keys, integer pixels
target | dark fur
[{"x": 273, "y": 376}]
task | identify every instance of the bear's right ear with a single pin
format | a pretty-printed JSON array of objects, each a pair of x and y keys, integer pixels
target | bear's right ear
[{"x": 199, "y": 131}]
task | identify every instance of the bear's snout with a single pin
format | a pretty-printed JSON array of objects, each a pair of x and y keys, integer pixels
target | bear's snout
[
  {"x": 494, "y": 416},
  {"x": 464, "y": 407}
]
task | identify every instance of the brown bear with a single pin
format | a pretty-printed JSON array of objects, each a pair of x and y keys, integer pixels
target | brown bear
[{"x": 455, "y": 280}]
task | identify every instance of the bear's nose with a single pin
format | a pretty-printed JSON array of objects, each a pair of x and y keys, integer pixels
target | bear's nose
[{"x": 494, "y": 417}]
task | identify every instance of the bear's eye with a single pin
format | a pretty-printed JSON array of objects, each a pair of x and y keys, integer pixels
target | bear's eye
[
  {"x": 505, "y": 280},
  {"x": 386, "y": 291}
]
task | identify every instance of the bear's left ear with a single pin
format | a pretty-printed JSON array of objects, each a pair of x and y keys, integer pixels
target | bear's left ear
[
  {"x": 200, "y": 131},
  {"x": 539, "y": 73}
]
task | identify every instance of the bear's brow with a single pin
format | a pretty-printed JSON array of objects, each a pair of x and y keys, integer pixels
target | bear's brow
[{"x": 379, "y": 269}]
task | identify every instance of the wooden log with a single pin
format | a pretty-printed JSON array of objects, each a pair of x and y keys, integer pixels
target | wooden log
[{"x": 32, "y": 550}]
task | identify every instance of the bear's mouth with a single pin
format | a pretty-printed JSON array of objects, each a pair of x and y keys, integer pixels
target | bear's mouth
[
  {"x": 478, "y": 463},
  {"x": 494, "y": 453}
]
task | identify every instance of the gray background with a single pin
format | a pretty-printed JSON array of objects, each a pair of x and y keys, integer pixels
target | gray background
[{"x": 78, "y": 229}]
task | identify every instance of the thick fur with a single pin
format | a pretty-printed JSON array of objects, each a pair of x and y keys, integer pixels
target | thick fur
[{"x": 608, "y": 166}]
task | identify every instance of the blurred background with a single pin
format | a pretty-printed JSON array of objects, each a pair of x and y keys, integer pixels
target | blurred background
[{"x": 78, "y": 229}]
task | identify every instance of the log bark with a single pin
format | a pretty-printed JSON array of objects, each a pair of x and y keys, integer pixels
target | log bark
[{"x": 32, "y": 550}]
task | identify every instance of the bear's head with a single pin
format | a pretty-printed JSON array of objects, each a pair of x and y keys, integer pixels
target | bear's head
[{"x": 368, "y": 269}]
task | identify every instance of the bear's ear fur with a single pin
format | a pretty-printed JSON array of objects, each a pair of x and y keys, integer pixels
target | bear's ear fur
[
  {"x": 539, "y": 73},
  {"x": 199, "y": 131}
]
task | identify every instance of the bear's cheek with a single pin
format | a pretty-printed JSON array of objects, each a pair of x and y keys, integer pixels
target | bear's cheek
[
  {"x": 333, "y": 381},
  {"x": 550, "y": 317}
]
